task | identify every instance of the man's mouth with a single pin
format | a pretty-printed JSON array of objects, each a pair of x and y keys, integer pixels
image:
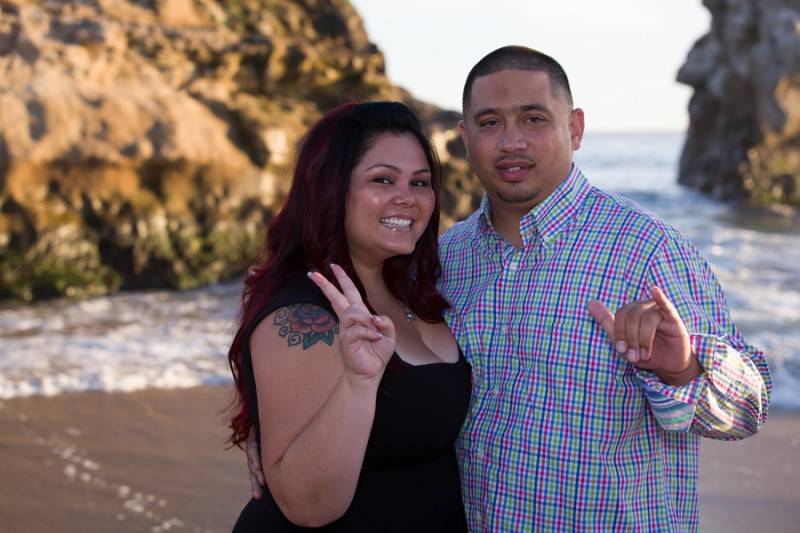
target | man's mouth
[
  {"x": 513, "y": 170},
  {"x": 397, "y": 223}
]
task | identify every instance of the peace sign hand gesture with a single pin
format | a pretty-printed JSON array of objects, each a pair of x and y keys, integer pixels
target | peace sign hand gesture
[
  {"x": 651, "y": 335},
  {"x": 366, "y": 341}
]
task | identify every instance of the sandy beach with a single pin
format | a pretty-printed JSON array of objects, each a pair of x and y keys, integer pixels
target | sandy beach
[{"x": 155, "y": 461}]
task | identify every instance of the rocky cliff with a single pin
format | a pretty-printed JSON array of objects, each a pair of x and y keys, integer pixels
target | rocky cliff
[
  {"x": 146, "y": 143},
  {"x": 744, "y": 134}
]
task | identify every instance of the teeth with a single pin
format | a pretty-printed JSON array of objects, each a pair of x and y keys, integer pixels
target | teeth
[
  {"x": 393, "y": 221},
  {"x": 512, "y": 169}
]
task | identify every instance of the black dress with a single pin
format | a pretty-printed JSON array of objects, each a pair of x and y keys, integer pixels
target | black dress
[{"x": 409, "y": 481}]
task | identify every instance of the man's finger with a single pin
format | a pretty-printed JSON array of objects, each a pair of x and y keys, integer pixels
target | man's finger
[
  {"x": 668, "y": 310},
  {"x": 621, "y": 330},
  {"x": 633, "y": 320},
  {"x": 603, "y": 316},
  {"x": 647, "y": 332}
]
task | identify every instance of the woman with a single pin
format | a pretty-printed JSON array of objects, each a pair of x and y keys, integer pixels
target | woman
[{"x": 356, "y": 392}]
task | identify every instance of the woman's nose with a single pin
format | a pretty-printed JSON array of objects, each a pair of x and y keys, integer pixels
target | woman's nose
[{"x": 404, "y": 196}]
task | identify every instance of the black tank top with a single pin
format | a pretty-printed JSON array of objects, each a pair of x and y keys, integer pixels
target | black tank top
[{"x": 409, "y": 481}]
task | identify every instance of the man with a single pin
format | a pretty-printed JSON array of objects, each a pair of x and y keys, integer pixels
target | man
[{"x": 580, "y": 420}]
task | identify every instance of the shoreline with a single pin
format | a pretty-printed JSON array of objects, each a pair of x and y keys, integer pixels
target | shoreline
[{"x": 156, "y": 460}]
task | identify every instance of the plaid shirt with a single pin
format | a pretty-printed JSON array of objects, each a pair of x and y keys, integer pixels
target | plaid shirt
[{"x": 562, "y": 433}]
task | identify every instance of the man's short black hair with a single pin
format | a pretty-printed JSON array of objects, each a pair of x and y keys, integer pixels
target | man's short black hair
[{"x": 517, "y": 58}]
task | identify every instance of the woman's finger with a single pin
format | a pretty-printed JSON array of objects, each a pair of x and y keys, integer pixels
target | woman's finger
[
  {"x": 384, "y": 324},
  {"x": 355, "y": 315},
  {"x": 254, "y": 464},
  {"x": 335, "y": 297},
  {"x": 360, "y": 332},
  {"x": 348, "y": 287}
]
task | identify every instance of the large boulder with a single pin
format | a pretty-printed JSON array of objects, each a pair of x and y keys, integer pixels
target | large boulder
[
  {"x": 743, "y": 141},
  {"x": 146, "y": 143}
]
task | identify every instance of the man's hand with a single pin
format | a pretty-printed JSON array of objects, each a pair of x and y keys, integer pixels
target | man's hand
[
  {"x": 651, "y": 335},
  {"x": 254, "y": 464}
]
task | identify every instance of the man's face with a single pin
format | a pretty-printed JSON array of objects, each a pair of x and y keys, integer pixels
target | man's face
[{"x": 520, "y": 135}]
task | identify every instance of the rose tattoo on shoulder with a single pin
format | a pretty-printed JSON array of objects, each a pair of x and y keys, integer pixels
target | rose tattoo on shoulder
[{"x": 305, "y": 324}]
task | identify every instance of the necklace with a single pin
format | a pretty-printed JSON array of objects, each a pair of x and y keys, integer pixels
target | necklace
[{"x": 409, "y": 314}]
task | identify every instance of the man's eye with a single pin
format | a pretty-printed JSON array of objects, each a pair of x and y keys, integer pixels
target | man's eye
[
  {"x": 488, "y": 123},
  {"x": 534, "y": 120}
]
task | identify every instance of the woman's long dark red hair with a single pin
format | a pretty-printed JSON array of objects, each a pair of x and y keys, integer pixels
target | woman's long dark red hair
[{"x": 308, "y": 232}]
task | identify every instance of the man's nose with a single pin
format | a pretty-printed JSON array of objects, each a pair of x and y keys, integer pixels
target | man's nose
[{"x": 512, "y": 139}]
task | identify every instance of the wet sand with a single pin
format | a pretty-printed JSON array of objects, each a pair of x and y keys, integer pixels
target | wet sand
[
  {"x": 146, "y": 461},
  {"x": 155, "y": 461}
]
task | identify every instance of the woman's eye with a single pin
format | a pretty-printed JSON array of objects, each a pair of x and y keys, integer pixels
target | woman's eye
[
  {"x": 382, "y": 179},
  {"x": 421, "y": 183}
]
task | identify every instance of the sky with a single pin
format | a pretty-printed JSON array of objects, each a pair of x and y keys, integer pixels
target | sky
[{"x": 621, "y": 56}]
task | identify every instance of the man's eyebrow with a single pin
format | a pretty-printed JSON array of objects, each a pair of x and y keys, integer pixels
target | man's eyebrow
[
  {"x": 534, "y": 107},
  {"x": 524, "y": 107},
  {"x": 484, "y": 111}
]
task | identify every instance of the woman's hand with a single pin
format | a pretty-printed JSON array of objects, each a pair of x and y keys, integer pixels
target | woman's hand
[{"x": 366, "y": 341}]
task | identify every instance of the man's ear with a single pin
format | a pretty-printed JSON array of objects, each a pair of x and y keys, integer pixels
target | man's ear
[
  {"x": 576, "y": 127},
  {"x": 462, "y": 130}
]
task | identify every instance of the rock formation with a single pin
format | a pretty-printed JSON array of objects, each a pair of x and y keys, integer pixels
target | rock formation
[
  {"x": 146, "y": 143},
  {"x": 744, "y": 134}
]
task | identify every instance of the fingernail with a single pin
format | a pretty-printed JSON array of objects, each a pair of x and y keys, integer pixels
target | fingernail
[
  {"x": 376, "y": 318},
  {"x": 621, "y": 346},
  {"x": 643, "y": 354},
  {"x": 632, "y": 356}
]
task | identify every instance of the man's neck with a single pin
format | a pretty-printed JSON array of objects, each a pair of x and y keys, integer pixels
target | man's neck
[{"x": 506, "y": 223}]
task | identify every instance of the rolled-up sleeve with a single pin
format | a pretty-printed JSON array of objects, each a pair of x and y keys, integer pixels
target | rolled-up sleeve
[{"x": 729, "y": 400}]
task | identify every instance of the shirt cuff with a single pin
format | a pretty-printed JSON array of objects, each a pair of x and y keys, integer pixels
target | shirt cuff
[{"x": 673, "y": 406}]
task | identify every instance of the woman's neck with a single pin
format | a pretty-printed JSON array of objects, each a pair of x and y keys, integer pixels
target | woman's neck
[{"x": 371, "y": 277}]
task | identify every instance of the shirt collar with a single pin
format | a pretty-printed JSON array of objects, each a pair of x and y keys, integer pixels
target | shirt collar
[{"x": 551, "y": 216}]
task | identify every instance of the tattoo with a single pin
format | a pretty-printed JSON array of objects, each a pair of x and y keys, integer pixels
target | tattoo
[{"x": 307, "y": 324}]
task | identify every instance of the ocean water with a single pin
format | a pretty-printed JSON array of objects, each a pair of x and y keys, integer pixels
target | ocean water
[{"x": 165, "y": 339}]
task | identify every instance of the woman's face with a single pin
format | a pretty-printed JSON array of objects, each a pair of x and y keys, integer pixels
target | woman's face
[{"x": 390, "y": 199}]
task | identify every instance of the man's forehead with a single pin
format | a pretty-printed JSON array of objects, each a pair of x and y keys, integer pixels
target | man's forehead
[
  {"x": 513, "y": 72},
  {"x": 511, "y": 89}
]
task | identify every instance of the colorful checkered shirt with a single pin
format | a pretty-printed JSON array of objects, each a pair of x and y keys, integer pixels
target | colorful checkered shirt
[{"x": 562, "y": 433}]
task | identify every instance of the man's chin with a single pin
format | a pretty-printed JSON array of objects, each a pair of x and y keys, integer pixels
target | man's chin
[{"x": 517, "y": 197}]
